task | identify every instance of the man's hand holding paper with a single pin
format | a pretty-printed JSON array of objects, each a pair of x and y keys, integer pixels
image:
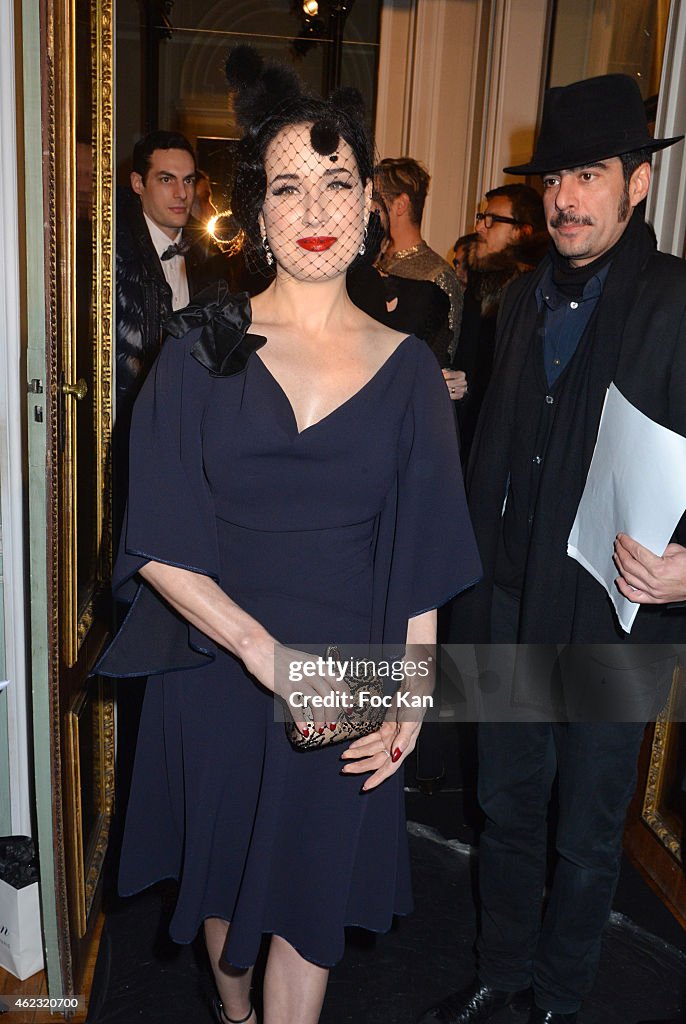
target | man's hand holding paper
[
  {"x": 647, "y": 578},
  {"x": 635, "y": 489}
]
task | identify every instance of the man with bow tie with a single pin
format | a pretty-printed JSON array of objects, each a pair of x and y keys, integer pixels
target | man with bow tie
[
  {"x": 152, "y": 279},
  {"x": 157, "y": 270}
]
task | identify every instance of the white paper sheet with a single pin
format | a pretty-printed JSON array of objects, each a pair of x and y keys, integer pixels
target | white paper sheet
[{"x": 636, "y": 484}]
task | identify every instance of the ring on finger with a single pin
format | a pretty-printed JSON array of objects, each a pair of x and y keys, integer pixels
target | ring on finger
[{"x": 387, "y": 752}]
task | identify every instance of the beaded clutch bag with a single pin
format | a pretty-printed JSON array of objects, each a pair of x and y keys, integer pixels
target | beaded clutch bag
[{"x": 363, "y": 713}]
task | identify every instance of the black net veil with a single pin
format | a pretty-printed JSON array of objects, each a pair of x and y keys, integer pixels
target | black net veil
[{"x": 302, "y": 191}]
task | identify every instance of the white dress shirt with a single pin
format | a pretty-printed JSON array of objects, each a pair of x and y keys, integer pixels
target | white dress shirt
[{"x": 174, "y": 269}]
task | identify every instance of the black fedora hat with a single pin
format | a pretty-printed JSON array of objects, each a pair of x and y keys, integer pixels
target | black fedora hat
[{"x": 589, "y": 121}]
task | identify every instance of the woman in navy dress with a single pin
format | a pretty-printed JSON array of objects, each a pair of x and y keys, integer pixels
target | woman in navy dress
[{"x": 292, "y": 484}]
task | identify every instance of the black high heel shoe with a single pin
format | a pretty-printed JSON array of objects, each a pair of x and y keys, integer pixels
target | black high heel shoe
[{"x": 221, "y": 1016}]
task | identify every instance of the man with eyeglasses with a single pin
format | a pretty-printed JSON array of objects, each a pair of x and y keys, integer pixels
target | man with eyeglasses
[
  {"x": 569, "y": 691},
  {"x": 512, "y": 219},
  {"x": 511, "y": 239}
]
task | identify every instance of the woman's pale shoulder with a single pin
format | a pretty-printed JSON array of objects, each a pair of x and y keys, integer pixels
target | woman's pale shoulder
[
  {"x": 385, "y": 338},
  {"x": 414, "y": 353}
]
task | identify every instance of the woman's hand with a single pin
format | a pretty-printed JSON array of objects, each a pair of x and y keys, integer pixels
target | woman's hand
[
  {"x": 456, "y": 382},
  {"x": 310, "y": 686},
  {"x": 204, "y": 604},
  {"x": 381, "y": 753}
]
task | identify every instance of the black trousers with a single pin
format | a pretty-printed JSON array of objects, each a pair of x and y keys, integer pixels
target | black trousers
[
  {"x": 555, "y": 949},
  {"x": 552, "y": 943}
]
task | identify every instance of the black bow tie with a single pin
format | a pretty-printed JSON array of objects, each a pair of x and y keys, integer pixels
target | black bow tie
[{"x": 175, "y": 249}]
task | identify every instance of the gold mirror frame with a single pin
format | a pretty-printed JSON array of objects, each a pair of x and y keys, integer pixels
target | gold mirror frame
[
  {"x": 89, "y": 846},
  {"x": 77, "y": 633},
  {"x": 77, "y": 621},
  {"x": 668, "y": 721}
]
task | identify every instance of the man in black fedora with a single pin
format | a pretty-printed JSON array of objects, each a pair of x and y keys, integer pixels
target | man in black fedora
[{"x": 604, "y": 306}]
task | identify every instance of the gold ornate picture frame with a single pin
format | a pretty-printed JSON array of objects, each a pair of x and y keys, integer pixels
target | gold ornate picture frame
[
  {"x": 77, "y": 99},
  {"x": 83, "y": 312},
  {"x": 663, "y": 786},
  {"x": 90, "y": 744}
]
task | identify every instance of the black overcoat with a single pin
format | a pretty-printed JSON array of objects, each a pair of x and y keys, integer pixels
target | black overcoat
[{"x": 645, "y": 307}]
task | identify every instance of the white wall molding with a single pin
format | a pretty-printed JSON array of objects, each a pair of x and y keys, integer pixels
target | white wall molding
[
  {"x": 396, "y": 75},
  {"x": 517, "y": 60},
  {"x": 667, "y": 199},
  {"x": 12, "y": 393},
  {"x": 428, "y": 99},
  {"x": 459, "y": 89},
  {"x": 493, "y": 97}
]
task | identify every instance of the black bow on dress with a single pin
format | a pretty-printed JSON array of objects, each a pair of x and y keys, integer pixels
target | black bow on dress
[{"x": 224, "y": 346}]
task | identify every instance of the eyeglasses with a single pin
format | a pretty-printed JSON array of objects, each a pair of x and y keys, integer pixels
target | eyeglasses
[{"x": 489, "y": 219}]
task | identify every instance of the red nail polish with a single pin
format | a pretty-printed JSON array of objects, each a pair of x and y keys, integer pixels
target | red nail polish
[
  {"x": 332, "y": 726},
  {"x": 320, "y": 730},
  {"x": 396, "y": 754},
  {"x": 306, "y": 733}
]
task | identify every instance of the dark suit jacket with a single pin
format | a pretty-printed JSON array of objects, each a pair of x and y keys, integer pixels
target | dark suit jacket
[
  {"x": 143, "y": 297},
  {"x": 143, "y": 304}
]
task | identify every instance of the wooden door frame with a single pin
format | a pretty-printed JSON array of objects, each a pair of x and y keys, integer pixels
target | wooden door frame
[
  {"x": 75, "y": 916},
  {"x": 16, "y": 784}
]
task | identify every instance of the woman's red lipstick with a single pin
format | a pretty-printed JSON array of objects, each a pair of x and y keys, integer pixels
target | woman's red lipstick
[{"x": 317, "y": 243}]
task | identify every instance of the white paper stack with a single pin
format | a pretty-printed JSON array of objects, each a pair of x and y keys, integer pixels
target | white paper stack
[{"x": 636, "y": 484}]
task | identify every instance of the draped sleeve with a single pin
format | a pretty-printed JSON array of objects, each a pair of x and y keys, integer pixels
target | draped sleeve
[
  {"x": 425, "y": 529},
  {"x": 169, "y": 518}
]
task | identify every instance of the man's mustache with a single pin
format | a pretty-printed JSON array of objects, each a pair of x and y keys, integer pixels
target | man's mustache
[{"x": 560, "y": 219}]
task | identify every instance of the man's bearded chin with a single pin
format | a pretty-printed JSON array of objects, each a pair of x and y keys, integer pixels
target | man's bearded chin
[{"x": 503, "y": 260}]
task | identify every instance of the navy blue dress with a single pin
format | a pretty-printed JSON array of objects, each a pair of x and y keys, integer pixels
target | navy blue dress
[{"x": 335, "y": 534}]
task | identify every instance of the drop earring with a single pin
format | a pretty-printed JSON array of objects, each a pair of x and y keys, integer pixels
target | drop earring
[
  {"x": 268, "y": 254},
  {"x": 363, "y": 247}
]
